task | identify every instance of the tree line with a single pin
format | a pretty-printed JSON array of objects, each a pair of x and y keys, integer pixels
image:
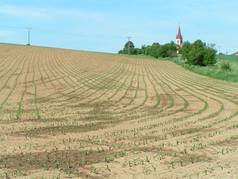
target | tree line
[{"x": 197, "y": 53}]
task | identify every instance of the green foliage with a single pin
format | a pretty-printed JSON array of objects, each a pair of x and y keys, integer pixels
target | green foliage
[
  {"x": 168, "y": 50},
  {"x": 155, "y": 50},
  {"x": 163, "y": 51},
  {"x": 225, "y": 66},
  {"x": 198, "y": 53},
  {"x": 129, "y": 48},
  {"x": 230, "y": 58},
  {"x": 138, "y": 51},
  {"x": 187, "y": 46},
  {"x": 209, "y": 56}
]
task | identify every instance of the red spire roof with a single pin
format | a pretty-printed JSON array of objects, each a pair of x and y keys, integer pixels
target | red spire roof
[{"x": 179, "y": 36}]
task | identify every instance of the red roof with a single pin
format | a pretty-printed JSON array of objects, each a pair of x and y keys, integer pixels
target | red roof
[{"x": 179, "y": 35}]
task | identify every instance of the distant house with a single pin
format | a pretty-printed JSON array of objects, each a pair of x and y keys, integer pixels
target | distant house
[{"x": 236, "y": 54}]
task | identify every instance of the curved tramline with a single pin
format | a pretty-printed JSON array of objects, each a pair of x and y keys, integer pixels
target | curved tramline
[{"x": 66, "y": 113}]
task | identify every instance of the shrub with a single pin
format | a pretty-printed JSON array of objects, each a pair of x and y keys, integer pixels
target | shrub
[
  {"x": 225, "y": 66},
  {"x": 163, "y": 51},
  {"x": 168, "y": 50},
  {"x": 156, "y": 50},
  {"x": 153, "y": 50},
  {"x": 209, "y": 56},
  {"x": 198, "y": 53},
  {"x": 187, "y": 46}
]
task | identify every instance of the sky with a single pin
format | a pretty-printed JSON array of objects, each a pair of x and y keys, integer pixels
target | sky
[{"x": 104, "y": 25}]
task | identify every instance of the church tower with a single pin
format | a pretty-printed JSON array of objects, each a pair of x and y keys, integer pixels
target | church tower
[{"x": 179, "y": 38}]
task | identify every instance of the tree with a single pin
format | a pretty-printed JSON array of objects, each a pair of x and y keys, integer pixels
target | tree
[
  {"x": 187, "y": 46},
  {"x": 143, "y": 49},
  {"x": 198, "y": 53},
  {"x": 148, "y": 50},
  {"x": 138, "y": 51},
  {"x": 129, "y": 48},
  {"x": 163, "y": 50},
  {"x": 168, "y": 50},
  {"x": 210, "y": 56},
  {"x": 154, "y": 50},
  {"x": 196, "y": 56},
  {"x": 172, "y": 49}
]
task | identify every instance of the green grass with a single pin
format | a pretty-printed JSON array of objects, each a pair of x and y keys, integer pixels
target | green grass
[{"x": 215, "y": 71}]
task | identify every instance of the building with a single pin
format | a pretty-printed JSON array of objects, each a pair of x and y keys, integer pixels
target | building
[
  {"x": 236, "y": 54},
  {"x": 179, "y": 38}
]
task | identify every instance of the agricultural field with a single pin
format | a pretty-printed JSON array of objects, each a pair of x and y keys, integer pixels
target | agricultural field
[{"x": 66, "y": 113}]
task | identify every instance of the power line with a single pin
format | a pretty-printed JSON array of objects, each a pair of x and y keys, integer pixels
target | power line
[{"x": 29, "y": 29}]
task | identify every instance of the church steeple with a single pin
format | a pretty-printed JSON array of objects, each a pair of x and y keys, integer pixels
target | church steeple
[{"x": 179, "y": 38}]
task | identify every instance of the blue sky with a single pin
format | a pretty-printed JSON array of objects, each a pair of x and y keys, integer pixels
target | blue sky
[{"x": 103, "y": 25}]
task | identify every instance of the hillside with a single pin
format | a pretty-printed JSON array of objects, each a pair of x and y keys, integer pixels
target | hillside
[
  {"x": 215, "y": 71},
  {"x": 93, "y": 115}
]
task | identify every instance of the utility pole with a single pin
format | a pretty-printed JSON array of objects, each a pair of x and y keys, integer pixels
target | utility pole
[
  {"x": 129, "y": 44},
  {"x": 29, "y": 35},
  {"x": 219, "y": 49}
]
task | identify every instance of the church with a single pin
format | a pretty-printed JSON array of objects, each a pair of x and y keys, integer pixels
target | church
[{"x": 179, "y": 38}]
